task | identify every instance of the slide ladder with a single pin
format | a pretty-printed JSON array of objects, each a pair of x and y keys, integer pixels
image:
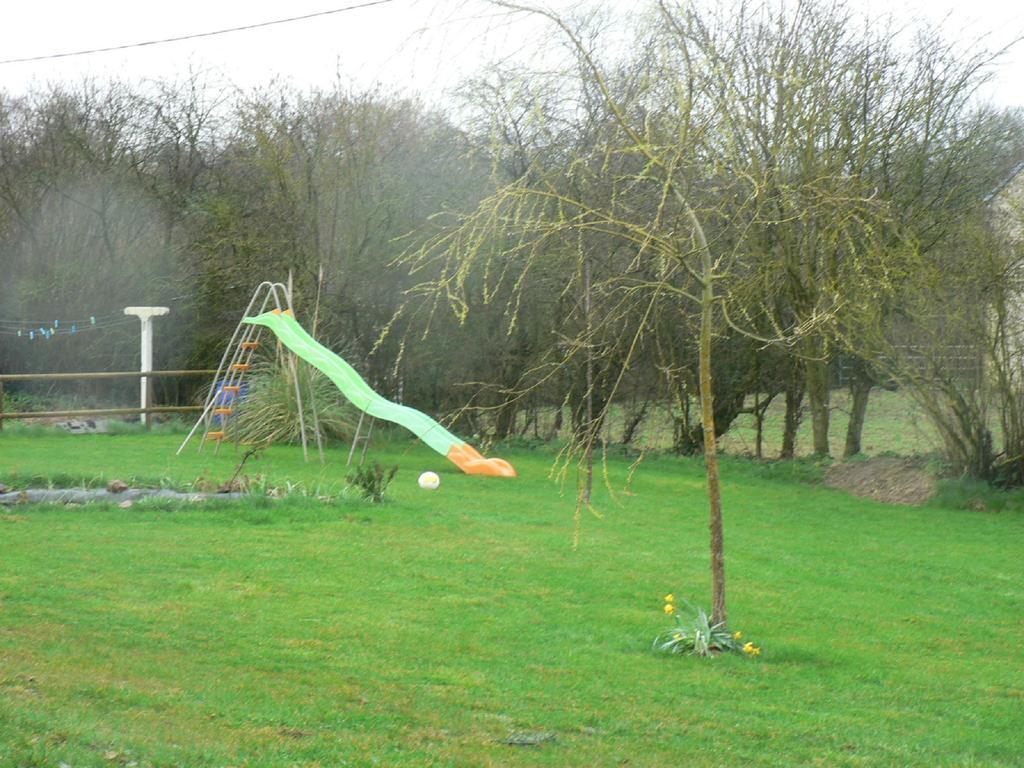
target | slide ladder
[{"x": 228, "y": 385}]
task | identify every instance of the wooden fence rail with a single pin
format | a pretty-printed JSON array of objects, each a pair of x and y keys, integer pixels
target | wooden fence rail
[
  {"x": 95, "y": 411},
  {"x": 99, "y": 375}
]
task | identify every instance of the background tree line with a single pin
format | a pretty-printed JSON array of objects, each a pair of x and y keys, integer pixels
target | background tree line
[{"x": 837, "y": 174}]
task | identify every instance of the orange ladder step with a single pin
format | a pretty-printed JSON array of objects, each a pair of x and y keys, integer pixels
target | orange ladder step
[
  {"x": 223, "y": 411},
  {"x": 240, "y": 367},
  {"x": 214, "y": 435},
  {"x": 233, "y": 388},
  {"x": 250, "y": 345}
]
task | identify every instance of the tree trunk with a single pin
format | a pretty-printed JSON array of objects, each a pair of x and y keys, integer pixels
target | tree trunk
[
  {"x": 860, "y": 390},
  {"x": 588, "y": 485},
  {"x": 505, "y": 421},
  {"x": 556, "y": 422},
  {"x": 707, "y": 404},
  {"x": 791, "y": 422},
  {"x": 633, "y": 419},
  {"x": 760, "y": 411},
  {"x": 817, "y": 373},
  {"x": 759, "y": 435},
  {"x": 683, "y": 442}
]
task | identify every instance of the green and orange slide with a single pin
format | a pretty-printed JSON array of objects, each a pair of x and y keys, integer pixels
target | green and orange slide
[{"x": 464, "y": 456}]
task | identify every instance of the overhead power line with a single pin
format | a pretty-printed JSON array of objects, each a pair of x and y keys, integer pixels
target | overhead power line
[{"x": 197, "y": 35}]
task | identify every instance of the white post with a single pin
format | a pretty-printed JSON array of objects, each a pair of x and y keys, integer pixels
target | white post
[{"x": 146, "y": 315}]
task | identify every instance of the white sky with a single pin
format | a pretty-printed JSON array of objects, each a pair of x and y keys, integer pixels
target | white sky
[{"x": 413, "y": 45}]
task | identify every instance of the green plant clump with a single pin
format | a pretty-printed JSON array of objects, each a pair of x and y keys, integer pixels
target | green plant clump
[
  {"x": 371, "y": 482},
  {"x": 270, "y": 412},
  {"x": 695, "y": 635}
]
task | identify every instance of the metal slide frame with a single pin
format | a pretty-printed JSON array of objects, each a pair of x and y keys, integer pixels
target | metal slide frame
[{"x": 235, "y": 363}]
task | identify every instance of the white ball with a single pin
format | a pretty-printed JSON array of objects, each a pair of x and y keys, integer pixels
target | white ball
[{"x": 429, "y": 481}]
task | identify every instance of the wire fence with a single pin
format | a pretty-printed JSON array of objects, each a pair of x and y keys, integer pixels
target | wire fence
[{"x": 955, "y": 361}]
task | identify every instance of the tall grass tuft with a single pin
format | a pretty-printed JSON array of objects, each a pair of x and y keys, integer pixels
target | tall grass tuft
[{"x": 270, "y": 412}]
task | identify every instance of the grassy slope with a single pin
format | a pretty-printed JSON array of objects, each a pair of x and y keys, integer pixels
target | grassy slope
[{"x": 425, "y": 631}]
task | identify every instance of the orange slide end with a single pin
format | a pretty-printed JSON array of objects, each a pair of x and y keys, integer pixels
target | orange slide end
[{"x": 468, "y": 459}]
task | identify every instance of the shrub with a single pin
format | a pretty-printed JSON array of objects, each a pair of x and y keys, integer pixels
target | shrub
[
  {"x": 372, "y": 482},
  {"x": 270, "y": 412}
]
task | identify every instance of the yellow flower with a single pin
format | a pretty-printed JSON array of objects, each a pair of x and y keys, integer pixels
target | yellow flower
[
  {"x": 757, "y": 651},
  {"x": 669, "y": 608},
  {"x": 737, "y": 635},
  {"x": 751, "y": 650},
  {"x": 670, "y": 598},
  {"x": 677, "y": 636}
]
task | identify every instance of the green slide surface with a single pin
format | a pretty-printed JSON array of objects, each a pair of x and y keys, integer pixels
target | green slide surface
[{"x": 352, "y": 385}]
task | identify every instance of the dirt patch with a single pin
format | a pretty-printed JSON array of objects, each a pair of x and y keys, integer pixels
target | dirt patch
[{"x": 892, "y": 480}]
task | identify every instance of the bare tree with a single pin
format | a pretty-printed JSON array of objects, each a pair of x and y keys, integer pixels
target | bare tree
[{"x": 669, "y": 192}]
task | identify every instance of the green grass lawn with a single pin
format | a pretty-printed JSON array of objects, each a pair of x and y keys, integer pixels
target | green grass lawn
[{"x": 427, "y": 630}]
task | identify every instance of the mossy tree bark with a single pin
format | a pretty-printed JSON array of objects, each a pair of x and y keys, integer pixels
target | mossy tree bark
[
  {"x": 818, "y": 390},
  {"x": 707, "y": 404},
  {"x": 791, "y": 421},
  {"x": 860, "y": 391}
]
